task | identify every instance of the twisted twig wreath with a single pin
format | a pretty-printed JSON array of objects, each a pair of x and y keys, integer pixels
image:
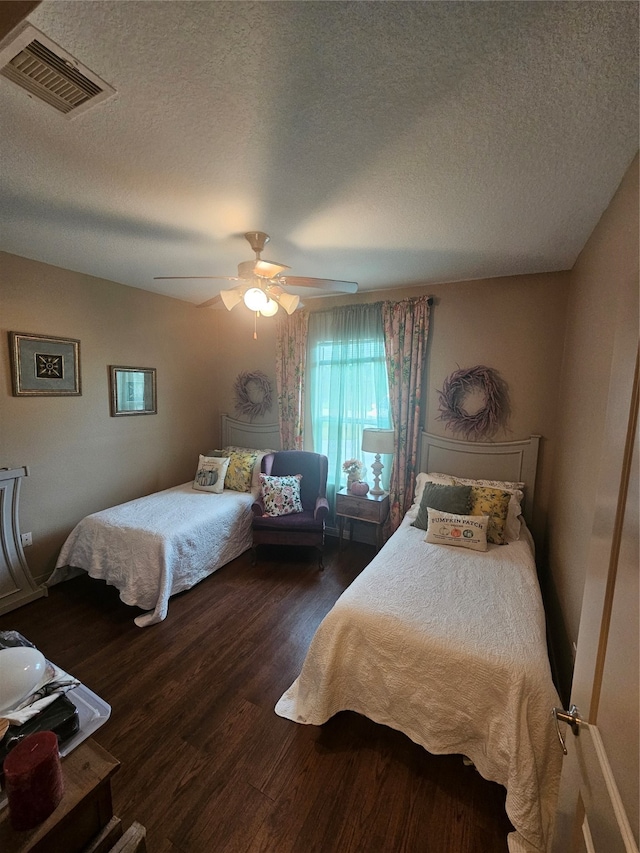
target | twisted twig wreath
[
  {"x": 489, "y": 418},
  {"x": 253, "y": 394}
]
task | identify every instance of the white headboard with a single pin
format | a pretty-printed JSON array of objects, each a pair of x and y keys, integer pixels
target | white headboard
[
  {"x": 244, "y": 434},
  {"x": 505, "y": 460}
]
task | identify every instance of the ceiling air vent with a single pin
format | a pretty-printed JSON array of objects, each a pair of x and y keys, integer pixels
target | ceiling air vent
[{"x": 31, "y": 60}]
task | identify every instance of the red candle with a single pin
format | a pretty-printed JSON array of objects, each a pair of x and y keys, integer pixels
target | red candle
[{"x": 33, "y": 780}]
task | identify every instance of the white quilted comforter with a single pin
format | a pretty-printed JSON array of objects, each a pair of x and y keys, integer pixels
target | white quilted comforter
[
  {"x": 448, "y": 646},
  {"x": 154, "y": 547}
]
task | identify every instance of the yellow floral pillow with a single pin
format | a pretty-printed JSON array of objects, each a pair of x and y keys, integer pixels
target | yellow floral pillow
[
  {"x": 240, "y": 470},
  {"x": 495, "y": 504}
]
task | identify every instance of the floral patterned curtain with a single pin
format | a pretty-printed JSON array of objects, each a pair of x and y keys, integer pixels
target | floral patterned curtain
[
  {"x": 291, "y": 359},
  {"x": 406, "y": 327}
]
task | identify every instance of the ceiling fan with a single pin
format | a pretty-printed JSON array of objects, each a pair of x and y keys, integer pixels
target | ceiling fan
[{"x": 261, "y": 284}]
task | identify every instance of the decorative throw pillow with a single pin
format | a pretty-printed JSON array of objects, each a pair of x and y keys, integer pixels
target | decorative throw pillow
[
  {"x": 281, "y": 495},
  {"x": 495, "y": 504},
  {"x": 512, "y": 527},
  {"x": 211, "y": 473},
  {"x": 421, "y": 480},
  {"x": 255, "y": 475},
  {"x": 466, "y": 531},
  {"x": 241, "y": 464},
  {"x": 505, "y": 485},
  {"x": 455, "y": 499}
]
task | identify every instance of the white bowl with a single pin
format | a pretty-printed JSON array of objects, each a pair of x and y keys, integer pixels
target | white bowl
[{"x": 21, "y": 671}]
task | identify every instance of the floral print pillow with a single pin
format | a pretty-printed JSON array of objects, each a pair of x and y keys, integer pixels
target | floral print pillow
[
  {"x": 281, "y": 495},
  {"x": 512, "y": 526},
  {"x": 495, "y": 504},
  {"x": 240, "y": 469}
]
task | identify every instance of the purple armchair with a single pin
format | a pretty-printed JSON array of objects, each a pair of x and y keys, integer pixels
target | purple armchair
[{"x": 300, "y": 528}]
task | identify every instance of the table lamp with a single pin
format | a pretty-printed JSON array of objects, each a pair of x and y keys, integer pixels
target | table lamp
[{"x": 378, "y": 441}]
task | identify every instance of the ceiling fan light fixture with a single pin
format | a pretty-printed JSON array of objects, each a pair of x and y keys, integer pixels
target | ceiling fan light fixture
[
  {"x": 255, "y": 299},
  {"x": 289, "y": 302},
  {"x": 230, "y": 298},
  {"x": 261, "y": 283},
  {"x": 270, "y": 309}
]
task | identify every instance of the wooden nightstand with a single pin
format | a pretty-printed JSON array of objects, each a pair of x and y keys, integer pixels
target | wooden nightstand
[
  {"x": 84, "y": 811},
  {"x": 373, "y": 509}
]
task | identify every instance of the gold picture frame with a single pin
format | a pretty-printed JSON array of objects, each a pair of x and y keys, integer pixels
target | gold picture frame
[{"x": 44, "y": 365}]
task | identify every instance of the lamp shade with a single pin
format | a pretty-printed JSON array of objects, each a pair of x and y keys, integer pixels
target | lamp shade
[
  {"x": 378, "y": 440},
  {"x": 230, "y": 298},
  {"x": 289, "y": 302},
  {"x": 269, "y": 309}
]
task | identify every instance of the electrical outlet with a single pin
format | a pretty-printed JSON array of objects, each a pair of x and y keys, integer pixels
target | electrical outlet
[{"x": 26, "y": 539}]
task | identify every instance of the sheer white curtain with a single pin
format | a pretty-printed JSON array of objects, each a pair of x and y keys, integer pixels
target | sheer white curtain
[{"x": 346, "y": 385}]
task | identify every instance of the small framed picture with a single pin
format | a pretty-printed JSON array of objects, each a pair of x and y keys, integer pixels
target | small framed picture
[
  {"x": 44, "y": 365},
  {"x": 132, "y": 390}
]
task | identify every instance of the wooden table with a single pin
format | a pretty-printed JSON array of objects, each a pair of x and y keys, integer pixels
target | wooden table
[
  {"x": 86, "y": 806},
  {"x": 372, "y": 509}
]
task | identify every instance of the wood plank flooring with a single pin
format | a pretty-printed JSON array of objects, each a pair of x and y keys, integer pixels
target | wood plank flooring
[{"x": 207, "y": 766}]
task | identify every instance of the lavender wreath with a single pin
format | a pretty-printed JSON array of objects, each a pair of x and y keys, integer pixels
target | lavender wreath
[
  {"x": 489, "y": 418},
  {"x": 253, "y": 394}
]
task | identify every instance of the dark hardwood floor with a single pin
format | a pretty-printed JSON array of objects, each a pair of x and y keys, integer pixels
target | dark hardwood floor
[{"x": 206, "y": 764}]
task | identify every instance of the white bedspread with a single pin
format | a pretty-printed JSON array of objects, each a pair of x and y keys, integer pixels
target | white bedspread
[
  {"x": 448, "y": 646},
  {"x": 154, "y": 547}
]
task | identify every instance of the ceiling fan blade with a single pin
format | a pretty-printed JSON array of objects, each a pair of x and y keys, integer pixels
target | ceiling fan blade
[
  {"x": 269, "y": 269},
  {"x": 209, "y": 277},
  {"x": 328, "y": 284},
  {"x": 213, "y": 301}
]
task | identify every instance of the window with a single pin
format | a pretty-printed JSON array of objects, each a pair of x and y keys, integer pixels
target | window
[{"x": 347, "y": 385}]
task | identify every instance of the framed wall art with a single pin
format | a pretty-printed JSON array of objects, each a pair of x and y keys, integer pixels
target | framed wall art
[
  {"x": 132, "y": 390},
  {"x": 44, "y": 365}
]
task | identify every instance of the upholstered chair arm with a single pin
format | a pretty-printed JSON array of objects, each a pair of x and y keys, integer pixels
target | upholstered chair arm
[
  {"x": 322, "y": 509},
  {"x": 257, "y": 507}
]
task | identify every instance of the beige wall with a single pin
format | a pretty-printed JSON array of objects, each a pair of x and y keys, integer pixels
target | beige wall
[
  {"x": 80, "y": 458},
  {"x": 514, "y": 325},
  {"x": 607, "y": 267},
  {"x": 239, "y": 352}
]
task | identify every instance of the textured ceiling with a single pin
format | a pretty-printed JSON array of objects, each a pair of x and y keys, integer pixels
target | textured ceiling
[{"x": 387, "y": 143}]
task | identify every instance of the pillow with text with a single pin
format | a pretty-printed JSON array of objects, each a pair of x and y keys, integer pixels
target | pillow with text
[{"x": 465, "y": 531}]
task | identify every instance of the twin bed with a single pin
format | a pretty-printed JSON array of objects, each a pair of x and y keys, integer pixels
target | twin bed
[
  {"x": 448, "y": 645},
  {"x": 445, "y": 644},
  {"x": 157, "y": 546}
]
